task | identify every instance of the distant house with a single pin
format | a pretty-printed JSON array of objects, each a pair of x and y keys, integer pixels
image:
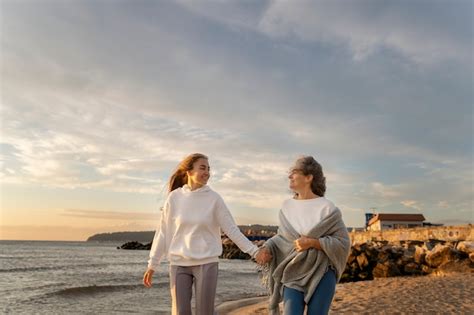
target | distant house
[{"x": 383, "y": 221}]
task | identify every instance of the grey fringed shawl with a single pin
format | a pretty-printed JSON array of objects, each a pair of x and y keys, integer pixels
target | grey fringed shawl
[{"x": 303, "y": 270}]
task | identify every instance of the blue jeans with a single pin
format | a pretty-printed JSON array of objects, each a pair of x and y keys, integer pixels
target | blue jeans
[{"x": 320, "y": 302}]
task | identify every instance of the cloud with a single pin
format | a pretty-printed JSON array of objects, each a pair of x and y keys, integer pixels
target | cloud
[
  {"x": 384, "y": 190},
  {"x": 411, "y": 204},
  {"x": 352, "y": 209},
  {"x": 423, "y": 33},
  {"x": 237, "y": 15},
  {"x": 367, "y": 27}
]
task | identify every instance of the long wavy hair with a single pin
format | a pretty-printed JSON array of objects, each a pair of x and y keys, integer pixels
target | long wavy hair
[
  {"x": 309, "y": 166},
  {"x": 180, "y": 176}
]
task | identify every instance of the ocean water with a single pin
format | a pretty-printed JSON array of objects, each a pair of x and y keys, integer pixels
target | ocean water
[{"x": 39, "y": 277}]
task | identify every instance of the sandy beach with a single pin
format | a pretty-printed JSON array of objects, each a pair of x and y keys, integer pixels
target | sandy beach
[{"x": 446, "y": 294}]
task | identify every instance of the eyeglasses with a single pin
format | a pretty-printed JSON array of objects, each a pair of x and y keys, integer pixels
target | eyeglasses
[{"x": 295, "y": 171}]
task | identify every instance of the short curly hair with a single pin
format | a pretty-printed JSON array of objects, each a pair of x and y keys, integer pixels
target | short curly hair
[{"x": 309, "y": 166}]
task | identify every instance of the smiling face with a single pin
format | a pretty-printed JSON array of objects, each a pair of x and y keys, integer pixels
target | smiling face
[
  {"x": 299, "y": 182},
  {"x": 200, "y": 172}
]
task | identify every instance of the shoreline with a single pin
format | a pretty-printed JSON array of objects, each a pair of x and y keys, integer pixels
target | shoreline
[
  {"x": 240, "y": 305},
  {"x": 448, "y": 292}
]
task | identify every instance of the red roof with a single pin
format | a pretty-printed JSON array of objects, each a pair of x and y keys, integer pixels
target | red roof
[{"x": 396, "y": 217}]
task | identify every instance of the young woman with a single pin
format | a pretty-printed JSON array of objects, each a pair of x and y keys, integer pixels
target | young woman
[
  {"x": 189, "y": 236},
  {"x": 308, "y": 255}
]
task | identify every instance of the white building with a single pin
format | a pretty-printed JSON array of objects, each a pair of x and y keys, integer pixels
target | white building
[{"x": 383, "y": 221}]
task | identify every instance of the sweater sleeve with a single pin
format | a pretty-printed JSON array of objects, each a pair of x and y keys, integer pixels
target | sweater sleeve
[
  {"x": 230, "y": 228},
  {"x": 161, "y": 239}
]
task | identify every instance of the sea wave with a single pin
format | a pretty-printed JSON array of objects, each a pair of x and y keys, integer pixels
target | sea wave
[
  {"x": 25, "y": 269},
  {"x": 61, "y": 267}
]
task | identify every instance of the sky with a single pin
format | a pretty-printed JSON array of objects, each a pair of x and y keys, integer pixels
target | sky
[{"x": 100, "y": 100}]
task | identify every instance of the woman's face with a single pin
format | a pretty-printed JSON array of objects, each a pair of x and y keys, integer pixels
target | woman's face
[
  {"x": 200, "y": 173},
  {"x": 298, "y": 181}
]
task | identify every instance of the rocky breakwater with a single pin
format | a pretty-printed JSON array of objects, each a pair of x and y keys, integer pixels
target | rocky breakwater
[
  {"x": 380, "y": 259},
  {"x": 229, "y": 249},
  {"x": 136, "y": 245}
]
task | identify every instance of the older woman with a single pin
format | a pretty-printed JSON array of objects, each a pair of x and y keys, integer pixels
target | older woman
[{"x": 308, "y": 255}]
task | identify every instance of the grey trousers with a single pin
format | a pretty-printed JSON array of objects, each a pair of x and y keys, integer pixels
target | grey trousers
[{"x": 204, "y": 278}]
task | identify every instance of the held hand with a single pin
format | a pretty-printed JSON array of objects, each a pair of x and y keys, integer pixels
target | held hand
[
  {"x": 147, "y": 278},
  {"x": 305, "y": 243},
  {"x": 263, "y": 256}
]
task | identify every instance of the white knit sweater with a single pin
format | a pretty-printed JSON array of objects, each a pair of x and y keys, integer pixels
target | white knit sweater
[
  {"x": 304, "y": 214},
  {"x": 189, "y": 232}
]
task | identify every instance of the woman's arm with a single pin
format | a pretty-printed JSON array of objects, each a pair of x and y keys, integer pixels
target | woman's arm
[
  {"x": 230, "y": 228},
  {"x": 305, "y": 243},
  {"x": 159, "y": 247},
  {"x": 160, "y": 241}
]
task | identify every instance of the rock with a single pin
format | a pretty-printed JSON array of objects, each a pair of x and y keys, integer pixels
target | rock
[
  {"x": 432, "y": 243},
  {"x": 459, "y": 255},
  {"x": 351, "y": 257},
  {"x": 387, "y": 269},
  {"x": 387, "y": 248},
  {"x": 135, "y": 246},
  {"x": 471, "y": 257},
  {"x": 426, "y": 270},
  {"x": 419, "y": 255},
  {"x": 346, "y": 277},
  {"x": 466, "y": 247},
  {"x": 364, "y": 275},
  {"x": 408, "y": 255},
  {"x": 371, "y": 252},
  {"x": 362, "y": 261},
  {"x": 439, "y": 255},
  {"x": 360, "y": 247},
  {"x": 383, "y": 256},
  {"x": 412, "y": 269},
  {"x": 354, "y": 266},
  {"x": 397, "y": 252},
  {"x": 454, "y": 266}
]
